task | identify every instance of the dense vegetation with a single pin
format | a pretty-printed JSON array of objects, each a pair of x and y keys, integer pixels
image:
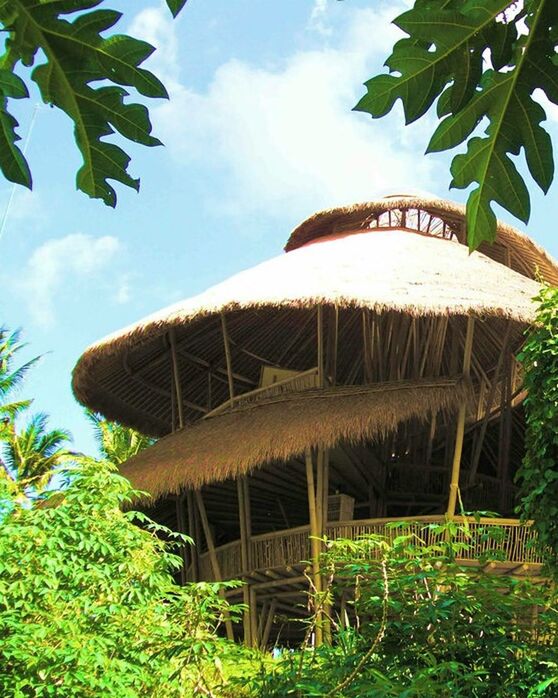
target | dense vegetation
[
  {"x": 89, "y": 605},
  {"x": 538, "y": 475},
  {"x": 482, "y": 62}
]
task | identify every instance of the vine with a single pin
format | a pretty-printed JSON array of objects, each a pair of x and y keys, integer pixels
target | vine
[{"x": 538, "y": 475}]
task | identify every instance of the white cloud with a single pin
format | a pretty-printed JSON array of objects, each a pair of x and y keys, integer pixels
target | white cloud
[
  {"x": 156, "y": 26},
  {"x": 318, "y": 16},
  {"x": 54, "y": 264},
  {"x": 123, "y": 293},
  {"x": 285, "y": 138}
]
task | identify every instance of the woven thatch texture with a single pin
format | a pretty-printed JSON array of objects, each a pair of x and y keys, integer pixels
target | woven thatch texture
[
  {"x": 380, "y": 270},
  {"x": 524, "y": 254},
  {"x": 234, "y": 443}
]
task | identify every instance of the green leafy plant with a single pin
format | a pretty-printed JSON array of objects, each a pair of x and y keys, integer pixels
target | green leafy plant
[
  {"x": 415, "y": 622},
  {"x": 481, "y": 61},
  {"x": 116, "y": 442},
  {"x": 538, "y": 475},
  {"x": 84, "y": 73},
  {"x": 88, "y": 602}
]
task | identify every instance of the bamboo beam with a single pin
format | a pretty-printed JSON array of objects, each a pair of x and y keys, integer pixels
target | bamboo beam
[
  {"x": 212, "y": 555},
  {"x": 314, "y": 540},
  {"x": 490, "y": 399},
  {"x": 460, "y": 431},
  {"x": 228, "y": 359}
]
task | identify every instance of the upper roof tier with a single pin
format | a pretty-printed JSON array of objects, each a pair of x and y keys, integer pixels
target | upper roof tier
[
  {"x": 401, "y": 256},
  {"x": 433, "y": 216}
]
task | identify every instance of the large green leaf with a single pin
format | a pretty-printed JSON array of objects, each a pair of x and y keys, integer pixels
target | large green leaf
[
  {"x": 12, "y": 161},
  {"x": 446, "y": 57},
  {"x": 84, "y": 74}
]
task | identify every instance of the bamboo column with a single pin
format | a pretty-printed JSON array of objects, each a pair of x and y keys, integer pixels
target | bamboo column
[
  {"x": 245, "y": 544},
  {"x": 314, "y": 541},
  {"x": 176, "y": 399},
  {"x": 213, "y": 556},
  {"x": 193, "y": 533},
  {"x": 181, "y": 526},
  {"x": 228, "y": 358},
  {"x": 460, "y": 431},
  {"x": 176, "y": 378}
]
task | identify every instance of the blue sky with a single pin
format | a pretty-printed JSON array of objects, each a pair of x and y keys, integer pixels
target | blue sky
[{"x": 258, "y": 134}]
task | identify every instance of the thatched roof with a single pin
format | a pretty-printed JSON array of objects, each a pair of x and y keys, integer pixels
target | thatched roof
[
  {"x": 511, "y": 246},
  {"x": 426, "y": 274},
  {"x": 282, "y": 428}
]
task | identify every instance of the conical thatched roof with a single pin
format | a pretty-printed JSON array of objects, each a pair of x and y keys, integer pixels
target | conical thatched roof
[
  {"x": 511, "y": 247},
  {"x": 284, "y": 427},
  {"x": 423, "y": 274}
]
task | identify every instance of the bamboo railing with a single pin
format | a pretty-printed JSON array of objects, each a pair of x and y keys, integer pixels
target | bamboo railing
[{"x": 507, "y": 540}]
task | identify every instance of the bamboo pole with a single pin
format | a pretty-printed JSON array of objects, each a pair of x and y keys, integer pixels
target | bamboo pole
[
  {"x": 192, "y": 532},
  {"x": 460, "y": 431},
  {"x": 245, "y": 558},
  {"x": 213, "y": 556},
  {"x": 333, "y": 339},
  {"x": 314, "y": 540},
  {"x": 489, "y": 401},
  {"x": 320, "y": 343},
  {"x": 181, "y": 526},
  {"x": 228, "y": 359},
  {"x": 176, "y": 378},
  {"x": 253, "y": 616},
  {"x": 268, "y": 624}
]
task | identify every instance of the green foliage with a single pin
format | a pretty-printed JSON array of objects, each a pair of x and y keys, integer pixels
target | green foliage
[
  {"x": 117, "y": 443},
  {"x": 474, "y": 59},
  {"x": 11, "y": 378},
  {"x": 88, "y": 603},
  {"x": 66, "y": 39},
  {"x": 28, "y": 454},
  {"x": 32, "y": 453},
  {"x": 538, "y": 476},
  {"x": 420, "y": 624}
]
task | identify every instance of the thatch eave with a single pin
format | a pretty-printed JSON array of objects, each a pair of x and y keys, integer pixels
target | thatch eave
[{"x": 237, "y": 442}]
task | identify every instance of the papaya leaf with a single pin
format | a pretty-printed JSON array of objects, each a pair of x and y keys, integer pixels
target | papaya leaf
[
  {"x": 481, "y": 67},
  {"x": 84, "y": 73},
  {"x": 175, "y": 6},
  {"x": 12, "y": 161}
]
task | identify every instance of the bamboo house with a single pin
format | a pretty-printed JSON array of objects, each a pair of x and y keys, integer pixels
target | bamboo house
[{"x": 365, "y": 376}]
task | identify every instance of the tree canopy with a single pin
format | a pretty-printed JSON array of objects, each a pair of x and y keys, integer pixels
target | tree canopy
[
  {"x": 486, "y": 64},
  {"x": 82, "y": 71}
]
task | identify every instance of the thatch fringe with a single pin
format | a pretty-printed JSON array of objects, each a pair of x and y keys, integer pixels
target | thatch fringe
[
  {"x": 283, "y": 427},
  {"x": 381, "y": 271}
]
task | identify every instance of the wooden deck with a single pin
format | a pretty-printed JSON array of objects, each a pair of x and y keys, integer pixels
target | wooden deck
[{"x": 281, "y": 553}]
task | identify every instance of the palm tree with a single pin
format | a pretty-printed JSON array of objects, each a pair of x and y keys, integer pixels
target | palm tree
[
  {"x": 31, "y": 455},
  {"x": 116, "y": 442},
  {"x": 11, "y": 379}
]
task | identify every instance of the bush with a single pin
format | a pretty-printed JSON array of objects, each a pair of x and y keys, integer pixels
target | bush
[
  {"x": 88, "y": 603},
  {"x": 419, "y": 624}
]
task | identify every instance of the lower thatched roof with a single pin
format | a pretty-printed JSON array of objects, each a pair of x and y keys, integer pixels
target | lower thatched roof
[{"x": 234, "y": 443}]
